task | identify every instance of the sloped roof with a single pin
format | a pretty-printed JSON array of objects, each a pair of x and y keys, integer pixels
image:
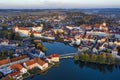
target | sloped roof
[{"x": 16, "y": 66}]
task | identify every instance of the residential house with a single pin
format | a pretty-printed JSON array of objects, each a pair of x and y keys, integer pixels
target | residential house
[
  {"x": 19, "y": 59},
  {"x": 36, "y": 62},
  {"x": 4, "y": 41},
  {"x": 16, "y": 75},
  {"x": 103, "y": 27},
  {"x": 54, "y": 57},
  {"x": 58, "y": 30},
  {"x": 38, "y": 28},
  {"x": 4, "y": 63},
  {"x": 48, "y": 59},
  {"x": 117, "y": 43},
  {"x": 37, "y": 34},
  {"x": 9, "y": 62},
  {"x": 18, "y": 67}
]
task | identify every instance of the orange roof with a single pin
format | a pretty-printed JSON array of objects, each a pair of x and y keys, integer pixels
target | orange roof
[
  {"x": 40, "y": 62},
  {"x": 35, "y": 60},
  {"x": 5, "y": 61},
  {"x": 15, "y": 73},
  {"x": 19, "y": 58},
  {"x": 54, "y": 55},
  {"x": 16, "y": 66},
  {"x": 23, "y": 28},
  {"x": 36, "y": 32},
  {"x": 31, "y": 62}
]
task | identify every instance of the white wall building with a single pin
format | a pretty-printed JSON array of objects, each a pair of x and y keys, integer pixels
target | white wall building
[
  {"x": 23, "y": 32},
  {"x": 38, "y": 29},
  {"x": 37, "y": 34}
]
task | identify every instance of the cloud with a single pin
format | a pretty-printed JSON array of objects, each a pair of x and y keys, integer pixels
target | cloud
[{"x": 58, "y": 3}]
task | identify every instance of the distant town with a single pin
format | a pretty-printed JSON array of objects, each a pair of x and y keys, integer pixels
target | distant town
[{"x": 95, "y": 33}]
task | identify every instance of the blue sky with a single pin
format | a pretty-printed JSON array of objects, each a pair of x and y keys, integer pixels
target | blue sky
[{"x": 41, "y": 4}]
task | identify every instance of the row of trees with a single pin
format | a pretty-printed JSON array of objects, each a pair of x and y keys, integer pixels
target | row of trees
[
  {"x": 10, "y": 35},
  {"x": 103, "y": 58},
  {"x": 3, "y": 54},
  {"x": 82, "y": 18}
]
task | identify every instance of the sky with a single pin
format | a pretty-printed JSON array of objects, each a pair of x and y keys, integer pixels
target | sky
[{"x": 54, "y": 4}]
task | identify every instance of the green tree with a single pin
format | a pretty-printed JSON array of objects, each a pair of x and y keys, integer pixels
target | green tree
[
  {"x": 101, "y": 58},
  {"x": 86, "y": 57},
  {"x": 82, "y": 56},
  {"x": 44, "y": 49},
  {"x": 2, "y": 53},
  {"x": 4, "y": 33},
  {"x": 39, "y": 46},
  {"x": 93, "y": 58},
  {"x": 32, "y": 35},
  {"x": 9, "y": 34},
  {"x": 10, "y": 54},
  {"x": 16, "y": 36},
  {"x": 76, "y": 57},
  {"x": 110, "y": 58}
]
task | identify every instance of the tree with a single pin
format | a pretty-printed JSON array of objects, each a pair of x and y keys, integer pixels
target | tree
[
  {"x": 86, "y": 57},
  {"x": 110, "y": 58},
  {"x": 58, "y": 32},
  {"x": 101, "y": 58},
  {"x": 93, "y": 58},
  {"x": 44, "y": 49},
  {"x": 9, "y": 35},
  {"x": 76, "y": 57},
  {"x": 3, "y": 53},
  {"x": 10, "y": 54},
  {"x": 39, "y": 46},
  {"x": 32, "y": 35},
  {"x": 16, "y": 36},
  {"x": 82, "y": 55}
]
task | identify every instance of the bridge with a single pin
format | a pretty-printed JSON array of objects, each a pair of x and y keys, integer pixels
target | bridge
[{"x": 67, "y": 56}]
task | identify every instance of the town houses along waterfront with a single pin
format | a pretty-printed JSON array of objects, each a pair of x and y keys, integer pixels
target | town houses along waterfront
[{"x": 60, "y": 44}]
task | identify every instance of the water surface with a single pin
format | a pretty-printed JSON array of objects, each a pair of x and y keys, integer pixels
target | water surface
[{"x": 68, "y": 69}]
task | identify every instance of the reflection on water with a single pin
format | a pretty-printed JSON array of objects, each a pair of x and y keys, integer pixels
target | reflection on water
[
  {"x": 68, "y": 69},
  {"x": 44, "y": 73},
  {"x": 101, "y": 67}
]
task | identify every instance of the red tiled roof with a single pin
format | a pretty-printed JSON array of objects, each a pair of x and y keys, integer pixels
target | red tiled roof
[
  {"x": 36, "y": 32},
  {"x": 5, "y": 61},
  {"x": 22, "y": 28},
  {"x": 31, "y": 62},
  {"x": 15, "y": 73},
  {"x": 41, "y": 62},
  {"x": 16, "y": 66},
  {"x": 19, "y": 58},
  {"x": 35, "y": 60},
  {"x": 49, "y": 57},
  {"x": 54, "y": 55}
]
